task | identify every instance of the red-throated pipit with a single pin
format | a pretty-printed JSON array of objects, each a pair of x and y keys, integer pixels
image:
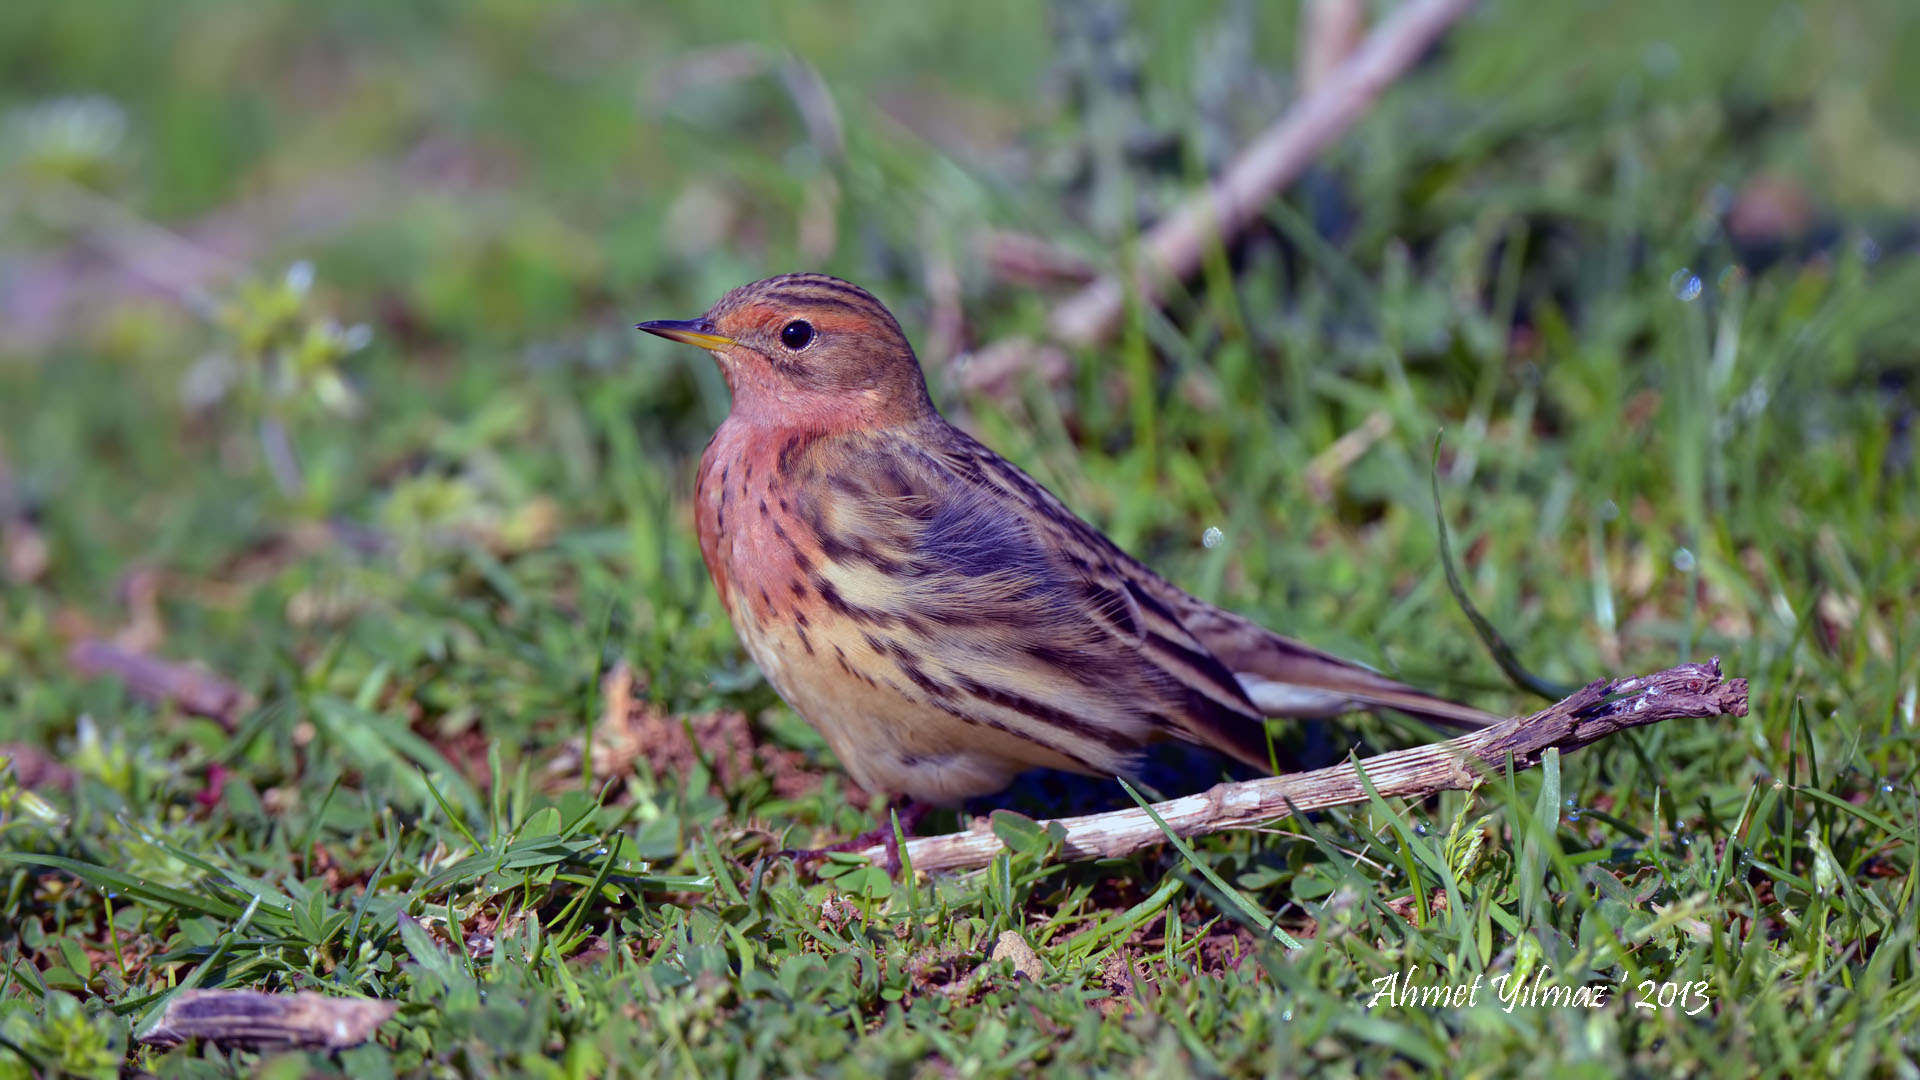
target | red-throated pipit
[{"x": 945, "y": 621}]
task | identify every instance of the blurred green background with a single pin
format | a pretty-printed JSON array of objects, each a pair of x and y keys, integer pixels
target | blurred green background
[{"x": 317, "y": 369}]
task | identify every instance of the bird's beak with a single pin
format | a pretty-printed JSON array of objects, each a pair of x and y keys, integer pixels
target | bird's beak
[{"x": 688, "y": 332}]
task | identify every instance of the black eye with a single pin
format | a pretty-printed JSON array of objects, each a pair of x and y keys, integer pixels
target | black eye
[{"x": 796, "y": 334}]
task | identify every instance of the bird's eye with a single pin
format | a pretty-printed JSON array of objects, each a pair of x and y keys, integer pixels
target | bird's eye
[{"x": 796, "y": 334}]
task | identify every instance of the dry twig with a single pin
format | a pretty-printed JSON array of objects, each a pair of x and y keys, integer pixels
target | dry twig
[
  {"x": 249, "y": 1018},
  {"x": 151, "y": 678},
  {"x": 1602, "y": 708},
  {"x": 1174, "y": 247},
  {"x": 1329, "y": 32}
]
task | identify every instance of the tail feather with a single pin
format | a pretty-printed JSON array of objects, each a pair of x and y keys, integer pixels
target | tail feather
[
  {"x": 1284, "y": 677},
  {"x": 1325, "y": 690}
]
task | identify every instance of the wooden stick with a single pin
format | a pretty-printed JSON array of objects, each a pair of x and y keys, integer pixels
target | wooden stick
[
  {"x": 1329, "y": 32},
  {"x": 1598, "y": 710},
  {"x": 250, "y": 1018},
  {"x": 1174, "y": 247},
  {"x": 151, "y": 678}
]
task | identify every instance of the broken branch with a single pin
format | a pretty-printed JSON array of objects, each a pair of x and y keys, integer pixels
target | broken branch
[
  {"x": 150, "y": 678},
  {"x": 1599, "y": 709},
  {"x": 248, "y": 1018},
  {"x": 1173, "y": 248}
]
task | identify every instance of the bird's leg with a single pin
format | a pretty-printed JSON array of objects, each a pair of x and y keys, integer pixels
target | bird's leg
[{"x": 910, "y": 811}]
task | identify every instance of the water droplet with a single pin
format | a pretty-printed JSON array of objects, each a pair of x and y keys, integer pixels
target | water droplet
[
  {"x": 1685, "y": 284},
  {"x": 1684, "y": 561},
  {"x": 1419, "y": 828},
  {"x": 1287, "y": 1017},
  {"x": 1661, "y": 59},
  {"x": 1686, "y": 839},
  {"x": 1732, "y": 276},
  {"x": 1573, "y": 815},
  {"x": 1211, "y": 538},
  {"x": 300, "y": 277},
  {"x": 1609, "y": 510},
  {"x": 1886, "y": 786}
]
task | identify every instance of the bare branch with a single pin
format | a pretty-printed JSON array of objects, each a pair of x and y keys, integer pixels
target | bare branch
[
  {"x": 151, "y": 678},
  {"x": 1174, "y": 247},
  {"x": 1598, "y": 710},
  {"x": 248, "y": 1018},
  {"x": 1329, "y": 32}
]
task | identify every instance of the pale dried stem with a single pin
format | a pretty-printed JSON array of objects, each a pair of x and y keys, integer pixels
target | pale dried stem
[
  {"x": 151, "y": 678},
  {"x": 249, "y": 1018},
  {"x": 1329, "y": 32},
  {"x": 1328, "y": 464},
  {"x": 1600, "y": 709},
  {"x": 1174, "y": 247}
]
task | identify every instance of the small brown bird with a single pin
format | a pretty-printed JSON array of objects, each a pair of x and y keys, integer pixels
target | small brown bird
[{"x": 941, "y": 618}]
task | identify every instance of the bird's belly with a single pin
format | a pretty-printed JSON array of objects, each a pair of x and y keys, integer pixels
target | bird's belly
[
  {"x": 808, "y": 620},
  {"x": 889, "y": 737}
]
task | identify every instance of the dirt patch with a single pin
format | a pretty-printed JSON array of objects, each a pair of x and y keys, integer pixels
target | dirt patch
[
  {"x": 1117, "y": 975},
  {"x": 35, "y": 768},
  {"x": 632, "y": 730},
  {"x": 837, "y": 912}
]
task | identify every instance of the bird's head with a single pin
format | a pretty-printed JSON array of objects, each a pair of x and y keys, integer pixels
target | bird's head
[{"x": 808, "y": 350}]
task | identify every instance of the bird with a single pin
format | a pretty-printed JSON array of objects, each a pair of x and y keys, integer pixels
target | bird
[{"x": 941, "y": 618}]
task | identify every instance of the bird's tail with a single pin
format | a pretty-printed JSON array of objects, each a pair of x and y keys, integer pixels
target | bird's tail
[
  {"x": 1284, "y": 677},
  {"x": 1328, "y": 691}
]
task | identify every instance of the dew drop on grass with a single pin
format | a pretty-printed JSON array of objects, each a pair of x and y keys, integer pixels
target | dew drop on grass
[
  {"x": 300, "y": 277},
  {"x": 1661, "y": 59},
  {"x": 1287, "y": 1017},
  {"x": 1683, "y": 560},
  {"x": 1419, "y": 828},
  {"x": 1685, "y": 284},
  {"x": 1211, "y": 538}
]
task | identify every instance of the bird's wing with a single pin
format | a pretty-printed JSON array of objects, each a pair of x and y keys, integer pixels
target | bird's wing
[
  {"x": 1277, "y": 676},
  {"x": 1003, "y": 607}
]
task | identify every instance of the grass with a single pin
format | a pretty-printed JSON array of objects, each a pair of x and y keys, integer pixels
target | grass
[{"x": 429, "y": 549}]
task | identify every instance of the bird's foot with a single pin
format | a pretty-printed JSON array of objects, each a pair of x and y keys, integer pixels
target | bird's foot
[{"x": 910, "y": 814}]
